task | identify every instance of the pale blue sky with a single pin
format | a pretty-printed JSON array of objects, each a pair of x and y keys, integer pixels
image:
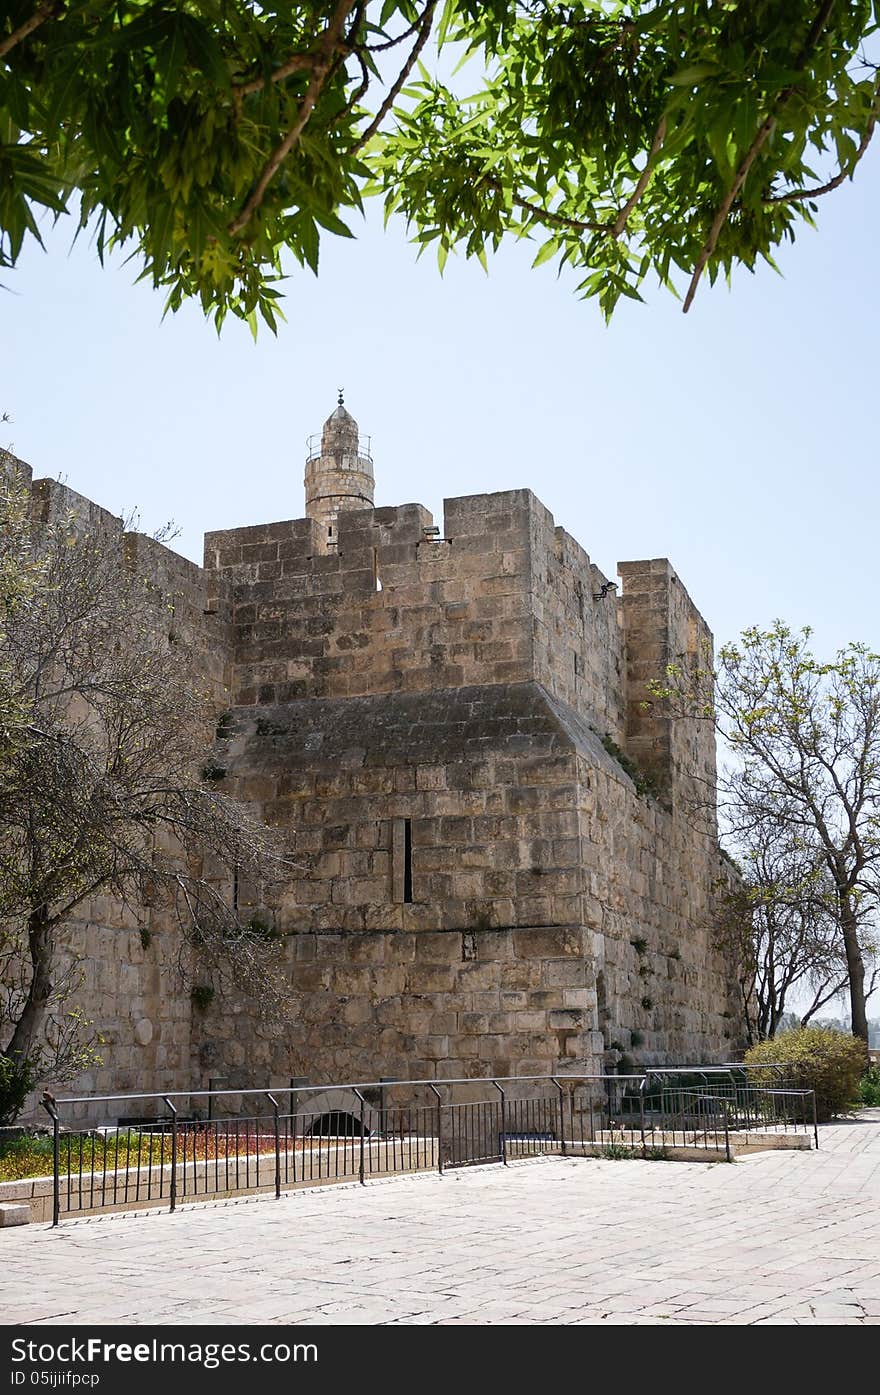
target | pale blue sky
[{"x": 736, "y": 440}]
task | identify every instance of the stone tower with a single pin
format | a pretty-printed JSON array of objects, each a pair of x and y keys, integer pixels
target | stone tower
[
  {"x": 339, "y": 474},
  {"x": 493, "y": 864}
]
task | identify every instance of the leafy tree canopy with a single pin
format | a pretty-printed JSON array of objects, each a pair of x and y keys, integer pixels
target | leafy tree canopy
[{"x": 664, "y": 137}]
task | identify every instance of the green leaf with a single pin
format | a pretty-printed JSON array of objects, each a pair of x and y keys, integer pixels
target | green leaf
[
  {"x": 549, "y": 250},
  {"x": 203, "y": 49},
  {"x": 694, "y": 75}
]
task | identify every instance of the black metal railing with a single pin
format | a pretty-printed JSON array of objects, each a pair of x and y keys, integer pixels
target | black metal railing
[{"x": 189, "y": 1146}]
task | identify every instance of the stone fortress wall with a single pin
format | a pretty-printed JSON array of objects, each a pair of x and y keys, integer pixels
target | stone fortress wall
[
  {"x": 131, "y": 988},
  {"x": 448, "y": 729}
]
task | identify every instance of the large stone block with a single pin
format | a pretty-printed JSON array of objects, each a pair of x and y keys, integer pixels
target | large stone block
[
  {"x": 544, "y": 942},
  {"x": 441, "y": 948},
  {"x": 425, "y": 978},
  {"x": 14, "y": 1213}
]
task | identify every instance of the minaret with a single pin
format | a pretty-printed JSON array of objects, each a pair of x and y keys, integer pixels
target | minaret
[{"x": 339, "y": 475}]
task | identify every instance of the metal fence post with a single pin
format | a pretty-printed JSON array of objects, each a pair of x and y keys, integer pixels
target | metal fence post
[
  {"x": 726, "y": 1131},
  {"x": 815, "y": 1118},
  {"x": 49, "y": 1105},
  {"x": 359, "y": 1096},
  {"x": 642, "y": 1086},
  {"x": 439, "y": 1099},
  {"x": 167, "y": 1101},
  {"x": 558, "y": 1084},
  {"x": 297, "y": 1083},
  {"x": 274, "y": 1103},
  {"x": 503, "y": 1139}
]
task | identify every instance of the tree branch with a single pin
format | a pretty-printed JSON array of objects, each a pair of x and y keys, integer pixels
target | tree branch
[
  {"x": 796, "y": 195},
  {"x": 47, "y": 9},
  {"x": 659, "y": 138},
  {"x": 727, "y": 203},
  {"x": 327, "y": 50},
  {"x": 296, "y": 63},
  {"x": 558, "y": 220},
  {"x": 424, "y": 33},
  {"x": 357, "y": 50},
  {"x": 392, "y": 43},
  {"x": 764, "y": 131}
]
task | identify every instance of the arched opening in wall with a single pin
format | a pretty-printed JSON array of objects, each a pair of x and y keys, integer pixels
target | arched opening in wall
[{"x": 336, "y": 1123}]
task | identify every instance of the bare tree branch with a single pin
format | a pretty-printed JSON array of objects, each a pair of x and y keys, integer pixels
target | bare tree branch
[
  {"x": 557, "y": 220},
  {"x": 401, "y": 38},
  {"x": 103, "y": 785},
  {"x": 727, "y": 203}
]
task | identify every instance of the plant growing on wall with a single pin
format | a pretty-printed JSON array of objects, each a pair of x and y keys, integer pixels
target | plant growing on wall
[{"x": 100, "y": 794}]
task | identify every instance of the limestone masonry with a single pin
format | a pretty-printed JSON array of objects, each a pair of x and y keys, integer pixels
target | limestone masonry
[{"x": 496, "y": 866}]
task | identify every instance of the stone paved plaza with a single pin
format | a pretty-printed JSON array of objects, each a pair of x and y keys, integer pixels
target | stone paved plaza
[{"x": 775, "y": 1238}]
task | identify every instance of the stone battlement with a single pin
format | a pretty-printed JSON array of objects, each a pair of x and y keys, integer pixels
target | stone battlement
[{"x": 504, "y": 596}]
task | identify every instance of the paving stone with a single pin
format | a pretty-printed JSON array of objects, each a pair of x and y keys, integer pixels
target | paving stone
[{"x": 546, "y": 1241}]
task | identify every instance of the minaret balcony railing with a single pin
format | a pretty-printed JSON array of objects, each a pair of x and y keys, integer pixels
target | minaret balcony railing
[{"x": 314, "y": 451}]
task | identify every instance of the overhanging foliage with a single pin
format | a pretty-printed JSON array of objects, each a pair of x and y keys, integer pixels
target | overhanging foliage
[{"x": 664, "y": 139}]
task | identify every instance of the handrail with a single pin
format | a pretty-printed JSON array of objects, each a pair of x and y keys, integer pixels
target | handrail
[
  {"x": 175, "y": 1157},
  {"x": 314, "y": 451},
  {"x": 350, "y": 1086}
]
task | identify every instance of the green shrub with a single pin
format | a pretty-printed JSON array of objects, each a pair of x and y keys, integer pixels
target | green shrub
[
  {"x": 869, "y": 1087},
  {"x": 815, "y": 1058},
  {"x": 17, "y": 1079}
]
